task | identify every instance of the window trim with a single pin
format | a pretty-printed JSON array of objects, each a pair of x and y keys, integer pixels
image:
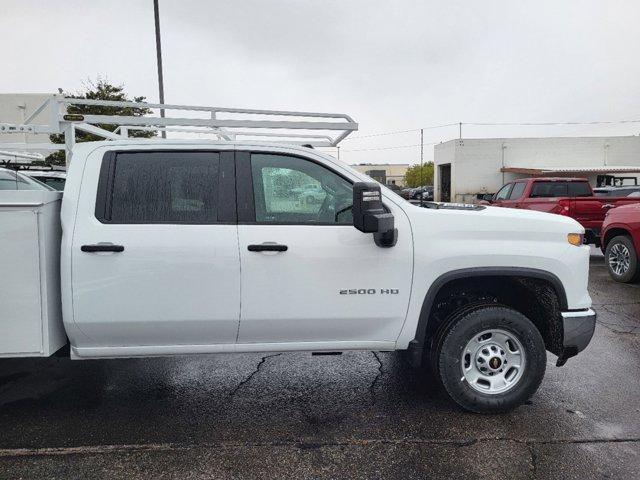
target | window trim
[
  {"x": 246, "y": 200},
  {"x": 226, "y": 171}
]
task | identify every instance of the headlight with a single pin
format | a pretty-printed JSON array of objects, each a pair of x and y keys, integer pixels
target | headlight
[{"x": 576, "y": 239}]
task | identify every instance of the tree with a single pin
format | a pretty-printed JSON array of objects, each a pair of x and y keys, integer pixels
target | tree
[
  {"x": 417, "y": 177},
  {"x": 101, "y": 89}
]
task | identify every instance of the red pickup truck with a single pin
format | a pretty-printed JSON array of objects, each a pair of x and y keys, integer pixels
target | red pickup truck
[
  {"x": 572, "y": 197},
  {"x": 621, "y": 243}
]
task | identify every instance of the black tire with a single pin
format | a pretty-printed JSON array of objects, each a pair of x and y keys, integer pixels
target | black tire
[
  {"x": 633, "y": 272},
  {"x": 463, "y": 327}
]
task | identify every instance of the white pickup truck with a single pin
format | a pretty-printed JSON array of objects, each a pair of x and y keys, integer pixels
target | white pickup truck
[{"x": 182, "y": 248}]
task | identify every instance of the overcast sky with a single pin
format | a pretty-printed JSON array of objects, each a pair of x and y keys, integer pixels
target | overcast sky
[{"x": 392, "y": 65}]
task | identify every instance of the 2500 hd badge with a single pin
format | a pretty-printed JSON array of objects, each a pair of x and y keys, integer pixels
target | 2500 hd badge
[{"x": 369, "y": 291}]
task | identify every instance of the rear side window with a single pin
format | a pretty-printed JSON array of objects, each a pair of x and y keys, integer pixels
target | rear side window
[
  {"x": 579, "y": 189},
  {"x": 518, "y": 190},
  {"x": 159, "y": 187},
  {"x": 549, "y": 190}
]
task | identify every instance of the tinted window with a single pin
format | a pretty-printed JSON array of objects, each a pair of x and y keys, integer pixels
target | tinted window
[
  {"x": 295, "y": 190},
  {"x": 579, "y": 189},
  {"x": 503, "y": 194},
  {"x": 549, "y": 189},
  {"x": 164, "y": 187},
  {"x": 518, "y": 190}
]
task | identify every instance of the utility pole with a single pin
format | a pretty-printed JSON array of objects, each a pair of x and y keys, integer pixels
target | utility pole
[
  {"x": 156, "y": 13},
  {"x": 421, "y": 164},
  {"x": 460, "y": 131},
  {"x": 338, "y": 152}
]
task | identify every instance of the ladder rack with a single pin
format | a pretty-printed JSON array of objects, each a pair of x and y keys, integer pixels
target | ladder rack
[{"x": 302, "y": 128}]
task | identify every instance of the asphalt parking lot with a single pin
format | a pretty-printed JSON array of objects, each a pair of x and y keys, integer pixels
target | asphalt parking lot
[{"x": 359, "y": 415}]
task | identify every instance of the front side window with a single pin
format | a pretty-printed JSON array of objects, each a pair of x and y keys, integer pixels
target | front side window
[
  {"x": 503, "y": 194},
  {"x": 163, "y": 187},
  {"x": 294, "y": 190}
]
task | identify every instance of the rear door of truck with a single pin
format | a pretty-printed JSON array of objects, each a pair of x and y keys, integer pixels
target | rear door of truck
[{"x": 155, "y": 251}]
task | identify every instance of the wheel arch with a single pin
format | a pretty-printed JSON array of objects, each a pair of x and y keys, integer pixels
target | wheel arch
[
  {"x": 614, "y": 231},
  {"x": 427, "y": 325}
]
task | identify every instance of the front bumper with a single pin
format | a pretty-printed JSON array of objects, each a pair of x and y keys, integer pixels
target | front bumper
[{"x": 578, "y": 327}]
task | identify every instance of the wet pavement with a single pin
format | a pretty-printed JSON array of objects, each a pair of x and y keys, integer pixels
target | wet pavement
[{"x": 293, "y": 415}]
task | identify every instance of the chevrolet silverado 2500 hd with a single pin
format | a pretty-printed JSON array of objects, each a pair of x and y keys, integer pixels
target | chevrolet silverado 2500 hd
[{"x": 178, "y": 247}]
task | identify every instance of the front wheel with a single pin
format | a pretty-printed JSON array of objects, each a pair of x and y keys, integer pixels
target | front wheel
[
  {"x": 622, "y": 259},
  {"x": 491, "y": 359}
]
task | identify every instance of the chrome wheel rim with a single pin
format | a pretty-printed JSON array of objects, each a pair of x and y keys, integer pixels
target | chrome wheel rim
[
  {"x": 493, "y": 361},
  {"x": 619, "y": 259}
]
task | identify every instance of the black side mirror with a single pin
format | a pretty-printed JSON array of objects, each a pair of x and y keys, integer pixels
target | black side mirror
[{"x": 369, "y": 215}]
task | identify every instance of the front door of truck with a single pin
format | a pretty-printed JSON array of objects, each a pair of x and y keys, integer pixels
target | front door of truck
[
  {"x": 155, "y": 252},
  {"x": 308, "y": 276}
]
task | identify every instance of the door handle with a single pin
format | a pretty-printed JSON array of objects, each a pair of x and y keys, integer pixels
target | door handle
[
  {"x": 608, "y": 205},
  {"x": 268, "y": 247},
  {"x": 102, "y": 247}
]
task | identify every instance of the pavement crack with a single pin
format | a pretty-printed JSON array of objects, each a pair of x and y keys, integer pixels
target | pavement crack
[
  {"x": 618, "y": 328},
  {"x": 533, "y": 463},
  {"x": 372, "y": 387},
  {"x": 248, "y": 379},
  {"x": 348, "y": 442}
]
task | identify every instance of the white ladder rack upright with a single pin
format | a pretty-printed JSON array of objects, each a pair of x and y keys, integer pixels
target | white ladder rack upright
[{"x": 302, "y": 128}]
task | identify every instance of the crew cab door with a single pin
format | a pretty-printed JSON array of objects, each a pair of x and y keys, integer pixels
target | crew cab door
[
  {"x": 155, "y": 251},
  {"x": 308, "y": 276}
]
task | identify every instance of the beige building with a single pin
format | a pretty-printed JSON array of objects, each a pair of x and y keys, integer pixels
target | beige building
[
  {"x": 465, "y": 167},
  {"x": 385, "y": 173}
]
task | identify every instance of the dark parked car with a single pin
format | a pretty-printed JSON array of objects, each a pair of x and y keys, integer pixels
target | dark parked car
[
  {"x": 406, "y": 193},
  {"x": 418, "y": 193},
  {"x": 427, "y": 194}
]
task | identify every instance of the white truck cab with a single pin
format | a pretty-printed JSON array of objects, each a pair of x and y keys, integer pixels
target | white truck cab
[
  {"x": 180, "y": 247},
  {"x": 209, "y": 247}
]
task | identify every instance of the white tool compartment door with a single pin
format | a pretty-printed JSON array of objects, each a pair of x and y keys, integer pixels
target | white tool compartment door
[{"x": 20, "y": 299}]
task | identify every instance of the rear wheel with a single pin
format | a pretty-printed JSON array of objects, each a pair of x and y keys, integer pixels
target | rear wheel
[
  {"x": 490, "y": 359},
  {"x": 622, "y": 259}
]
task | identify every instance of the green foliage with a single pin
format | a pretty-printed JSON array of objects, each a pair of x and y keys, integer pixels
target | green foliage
[
  {"x": 417, "y": 177},
  {"x": 101, "y": 89}
]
